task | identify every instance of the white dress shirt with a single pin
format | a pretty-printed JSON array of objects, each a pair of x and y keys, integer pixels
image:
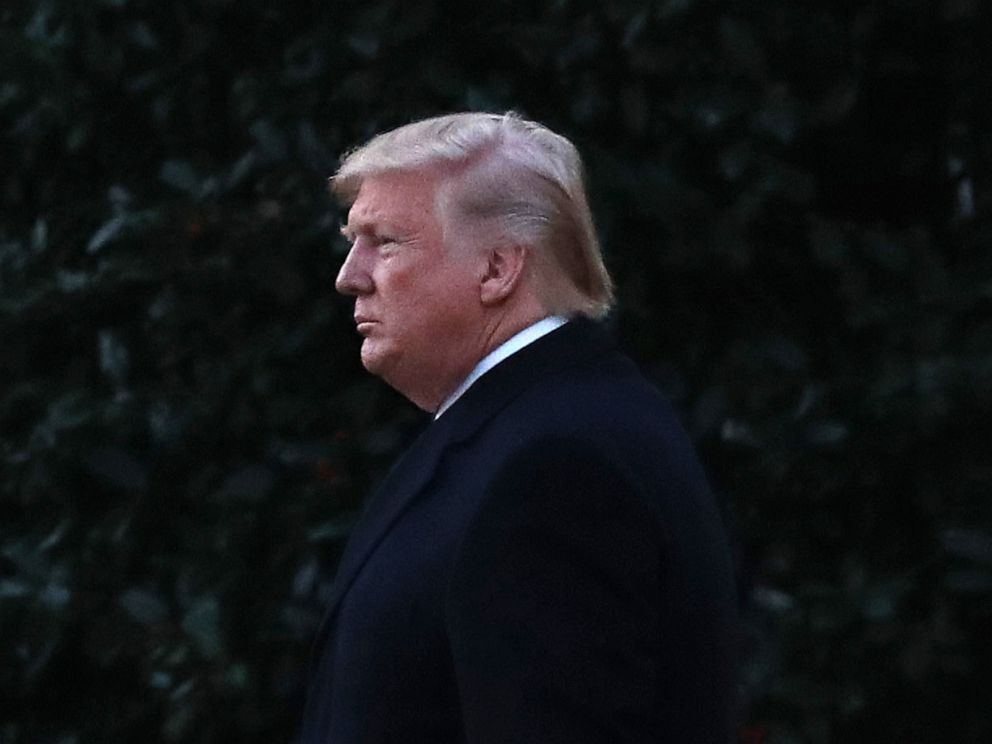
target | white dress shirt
[{"x": 511, "y": 346}]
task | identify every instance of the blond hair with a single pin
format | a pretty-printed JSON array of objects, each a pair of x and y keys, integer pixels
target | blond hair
[{"x": 508, "y": 175}]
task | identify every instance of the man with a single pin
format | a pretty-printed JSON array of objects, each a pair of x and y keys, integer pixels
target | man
[{"x": 545, "y": 564}]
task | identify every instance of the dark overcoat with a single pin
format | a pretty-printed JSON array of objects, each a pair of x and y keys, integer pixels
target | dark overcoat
[{"x": 545, "y": 564}]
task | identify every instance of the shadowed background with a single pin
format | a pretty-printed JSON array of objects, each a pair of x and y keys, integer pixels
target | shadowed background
[{"x": 794, "y": 199}]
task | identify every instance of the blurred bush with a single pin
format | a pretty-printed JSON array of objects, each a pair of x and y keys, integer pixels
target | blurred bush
[{"x": 795, "y": 201}]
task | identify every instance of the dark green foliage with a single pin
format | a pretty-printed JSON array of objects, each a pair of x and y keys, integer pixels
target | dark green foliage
[{"x": 795, "y": 201}]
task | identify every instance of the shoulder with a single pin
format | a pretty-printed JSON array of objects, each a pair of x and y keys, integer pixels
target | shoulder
[
  {"x": 563, "y": 501},
  {"x": 604, "y": 411}
]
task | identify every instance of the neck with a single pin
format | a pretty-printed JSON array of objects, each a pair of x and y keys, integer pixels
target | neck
[
  {"x": 506, "y": 322},
  {"x": 508, "y": 348},
  {"x": 497, "y": 325}
]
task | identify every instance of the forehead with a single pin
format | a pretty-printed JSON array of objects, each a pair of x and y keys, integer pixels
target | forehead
[{"x": 404, "y": 198}]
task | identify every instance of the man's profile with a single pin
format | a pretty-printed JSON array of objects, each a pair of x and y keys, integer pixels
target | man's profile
[{"x": 545, "y": 563}]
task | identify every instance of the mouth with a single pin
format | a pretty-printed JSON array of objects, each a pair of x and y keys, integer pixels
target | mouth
[{"x": 363, "y": 325}]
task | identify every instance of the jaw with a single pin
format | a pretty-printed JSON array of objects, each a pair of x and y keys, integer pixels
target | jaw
[
  {"x": 374, "y": 356},
  {"x": 423, "y": 387}
]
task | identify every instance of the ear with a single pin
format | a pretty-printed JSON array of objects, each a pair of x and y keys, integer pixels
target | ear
[{"x": 504, "y": 270}]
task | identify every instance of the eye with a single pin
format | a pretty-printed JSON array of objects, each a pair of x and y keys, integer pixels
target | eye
[{"x": 386, "y": 242}]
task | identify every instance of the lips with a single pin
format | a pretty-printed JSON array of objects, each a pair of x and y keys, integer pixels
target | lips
[{"x": 364, "y": 324}]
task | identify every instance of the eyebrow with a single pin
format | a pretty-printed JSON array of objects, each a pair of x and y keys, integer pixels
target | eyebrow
[{"x": 375, "y": 230}]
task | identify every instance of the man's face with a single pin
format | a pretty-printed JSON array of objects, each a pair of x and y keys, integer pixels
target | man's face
[{"x": 416, "y": 302}]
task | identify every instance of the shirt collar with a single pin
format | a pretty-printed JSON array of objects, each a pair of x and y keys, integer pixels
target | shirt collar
[{"x": 511, "y": 346}]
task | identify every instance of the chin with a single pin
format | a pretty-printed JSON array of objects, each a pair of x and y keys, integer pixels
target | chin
[
  {"x": 387, "y": 368},
  {"x": 375, "y": 359},
  {"x": 371, "y": 362}
]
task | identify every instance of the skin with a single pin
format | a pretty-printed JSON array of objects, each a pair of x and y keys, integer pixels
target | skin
[{"x": 428, "y": 312}]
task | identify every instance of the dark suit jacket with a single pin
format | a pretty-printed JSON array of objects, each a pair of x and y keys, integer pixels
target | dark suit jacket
[{"x": 545, "y": 564}]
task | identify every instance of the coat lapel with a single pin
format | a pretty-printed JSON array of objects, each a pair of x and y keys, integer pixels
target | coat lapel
[
  {"x": 404, "y": 481},
  {"x": 571, "y": 344}
]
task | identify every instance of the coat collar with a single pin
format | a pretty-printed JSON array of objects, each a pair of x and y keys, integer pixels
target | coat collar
[{"x": 574, "y": 343}]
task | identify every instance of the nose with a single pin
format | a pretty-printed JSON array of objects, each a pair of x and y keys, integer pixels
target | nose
[{"x": 355, "y": 276}]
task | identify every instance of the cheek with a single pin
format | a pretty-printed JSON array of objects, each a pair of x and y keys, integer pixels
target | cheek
[
  {"x": 427, "y": 301},
  {"x": 426, "y": 289},
  {"x": 397, "y": 283}
]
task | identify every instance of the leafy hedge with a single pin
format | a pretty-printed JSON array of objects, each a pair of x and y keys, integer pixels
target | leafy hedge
[{"x": 795, "y": 201}]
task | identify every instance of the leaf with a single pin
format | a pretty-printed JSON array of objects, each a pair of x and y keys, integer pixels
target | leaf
[
  {"x": 305, "y": 578},
  {"x": 969, "y": 582},
  {"x": 742, "y": 47},
  {"x": 54, "y": 595},
  {"x": 773, "y": 600},
  {"x": 144, "y": 606},
  {"x": 252, "y": 483},
  {"x": 202, "y": 623},
  {"x": 365, "y": 43},
  {"x": 39, "y": 236},
  {"x": 881, "y": 601},
  {"x": 67, "y": 412},
  {"x": 55, "y": 536},
  {"x": 117, "y": 468},
  {"x": 672, "y": 8},
  {"x": 271, "y": 142},
  {"x": 141, "y": 35},
  {"x": 109, "y": 231},
  {"x": 240, "y": 171},
  {"x": 826, "y": 433},
  {"x": 975, "y": 545},
  {"x": 114, "y": 356},
  {"x": 333, "y": 531},
  {"x": 709, "y": 412},
  {"x": 778, "y": 117},
  {"x": 178, "y": 724},
  {"x": 237, "y": 676},
  {"x": 739, "y": 432},
  {"x": 180, "y": 175},
  {"x": 72, "y": 281},
  {"x": 312, "y": 150},
  {"x": 13, "y": 589}
]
